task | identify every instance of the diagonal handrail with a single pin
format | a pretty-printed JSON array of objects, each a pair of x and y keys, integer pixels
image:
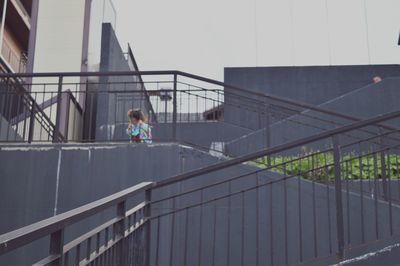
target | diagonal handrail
[
  {"x": 34, "y": 105},
  {"x": 278, "y": 148},
  {"x": 28, "y": 234}
]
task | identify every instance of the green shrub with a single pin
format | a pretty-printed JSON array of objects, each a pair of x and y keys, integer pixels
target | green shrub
[{"x": 319, "y": 166}]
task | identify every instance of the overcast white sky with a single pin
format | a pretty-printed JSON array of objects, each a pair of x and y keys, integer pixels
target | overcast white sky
[{"x": 203, "y": 37}]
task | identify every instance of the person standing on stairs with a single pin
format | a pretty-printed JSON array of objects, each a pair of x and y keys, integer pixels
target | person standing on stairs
[{"x": 138, "y": 130}]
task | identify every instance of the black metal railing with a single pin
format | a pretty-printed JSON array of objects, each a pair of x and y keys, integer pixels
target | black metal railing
[
  {"x": 112, "y": 242},
  {"x": 22, "y": 116},
  {"x": 251, "y": 210},
  {"x": 167, "y": 97}
]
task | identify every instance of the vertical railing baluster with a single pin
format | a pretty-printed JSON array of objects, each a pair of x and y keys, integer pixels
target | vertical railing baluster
[
  {"x": 369, "y": 174},
  {"x": 257, "y": 219},
  {"x": 271, "y": 225},
  {"x": 299, "y": 181},
  {"x": 201, "y": 229},
  {"x": 31, "y": 123},
  {"x": 88, "y": 248},
  {"x": 56, "y": 247},
  {"x": 285, "y": 213},
  {"x": 17, "y": 115},
  {"x": 314, "y": 208},
  {"x": 347, "y": 174},
  {"x": 186, "y": 236},
  {"x": 147, "y": 216},
  {"x": 268, "y": 131},
  {"x": 242, "y": 230},
  {"x": 157, "y": 240},
  {"x": 214, "y": 233},
  {"x": 361, "y": 199},
  {"x": 8, "y": 115},
  {"x": 174, "y": 111},
  {"x": 56, "y": 134},
  {"x": 328, "y": 206},
  {"x": 383, "y": 167},
  {"x": 78, "y": 254},
  {"x": 171, "y": 246},
  {"x": 376, "y": 188},
  {"x": 338, "y": 197},
  {"x": 389, "y": 193},
  {"x": 66, "y": 259},
  {"x": 397, "y": 175},
  {"x": 119, "y": 231},
  {"x": 98, "y": 235}
]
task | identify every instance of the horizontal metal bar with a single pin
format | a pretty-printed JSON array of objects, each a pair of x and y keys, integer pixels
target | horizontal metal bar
[
  {"x": 27, "y": 234},
  {"x": 136, "y": 208},
  {"x": 87, "y": 74},
  {"x": 277, "y": 149},
  {"x": 46, "y": 261},
  {"x": 70, "y": 245}
]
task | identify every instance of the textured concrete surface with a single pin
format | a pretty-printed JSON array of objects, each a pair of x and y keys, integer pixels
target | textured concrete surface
[{"x": 57, "y": 178}]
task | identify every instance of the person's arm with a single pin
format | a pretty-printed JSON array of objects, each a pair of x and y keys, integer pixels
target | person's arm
[{"x": 129, "y": 129}]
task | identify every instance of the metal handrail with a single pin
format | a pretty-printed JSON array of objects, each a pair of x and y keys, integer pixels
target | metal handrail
[
  {"x": 277, "y": 149},
  {"x": 27, "y": 234},
  {"x": 17, "y": 85},
  {"x": 192, "y": 76}
]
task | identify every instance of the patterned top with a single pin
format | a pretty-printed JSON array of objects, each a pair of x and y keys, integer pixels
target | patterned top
[{"x": 140, "y": 133}]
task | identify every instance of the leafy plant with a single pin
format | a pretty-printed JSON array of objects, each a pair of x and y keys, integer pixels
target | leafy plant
[{"x": 318, "y": 166}]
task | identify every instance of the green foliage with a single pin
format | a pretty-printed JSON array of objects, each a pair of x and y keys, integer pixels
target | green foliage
[{"x": 319, "y": 166}]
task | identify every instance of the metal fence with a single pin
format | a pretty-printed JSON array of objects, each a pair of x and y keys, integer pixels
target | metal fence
[
  {"x": 89, "y": 107},
  {"x": 264, "y": 208}
]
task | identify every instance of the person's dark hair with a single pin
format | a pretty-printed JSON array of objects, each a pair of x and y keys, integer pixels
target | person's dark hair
[{"x": 137, "y": 114}]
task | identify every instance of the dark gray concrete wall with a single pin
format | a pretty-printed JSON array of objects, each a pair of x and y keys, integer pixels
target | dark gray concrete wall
[
  {"x": 55, "y": 179},
  {"x": 40, "y": 181},
  {"x": 314, "y": 84},
  {"x": 366, "y": 102},
  {"x": 240, "y": 212}
]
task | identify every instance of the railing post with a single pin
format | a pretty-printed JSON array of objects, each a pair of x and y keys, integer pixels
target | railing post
[
  {"x": 383, "y": 166},
  {"x": 119, "y": 230},
  {"x": 147, "y": 215},
  {"x": 267, "y": 131},
  {"x": 31, "y": 123},
  {"x": 174, "y": 111},
  {"x": 56, "y": 247},
  {"x": 338, "y": 196},
  {"x": 56, "y": 133}
]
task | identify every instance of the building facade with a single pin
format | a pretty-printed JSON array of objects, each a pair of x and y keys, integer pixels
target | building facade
[{"x": 15, "y": 29}]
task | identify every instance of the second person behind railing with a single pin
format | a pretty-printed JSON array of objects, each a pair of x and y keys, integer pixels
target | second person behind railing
[{"x": 138, "y": 130}]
